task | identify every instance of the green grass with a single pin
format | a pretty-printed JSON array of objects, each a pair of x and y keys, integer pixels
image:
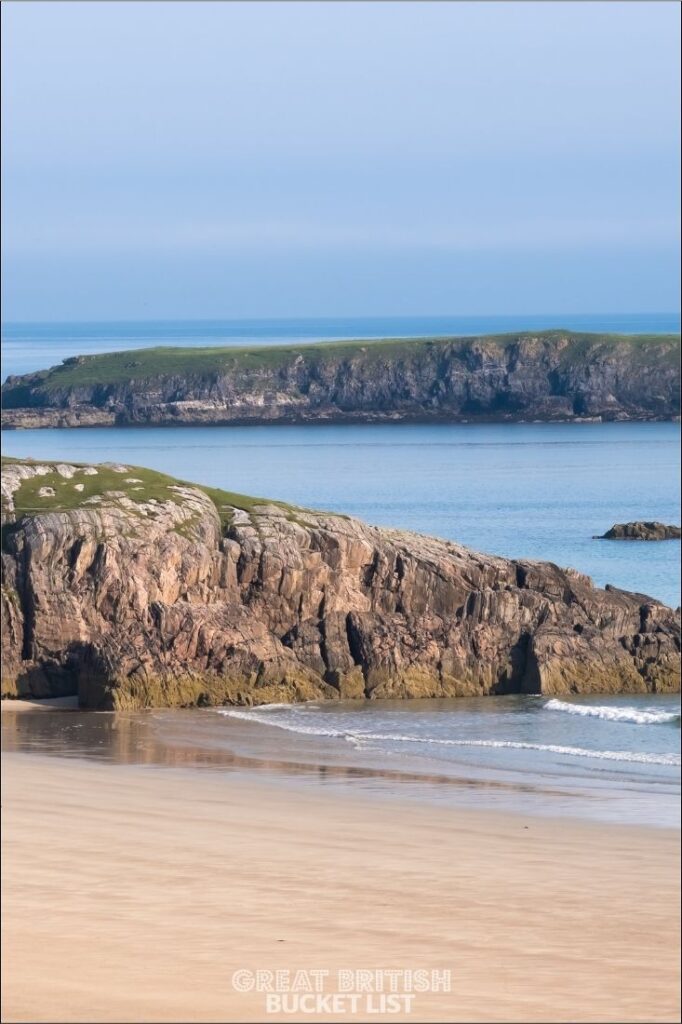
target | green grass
[
  {"x": 646, "y": 349},
  {"x": 151, "y": 485},
  {"x": 149, "y": 363}
]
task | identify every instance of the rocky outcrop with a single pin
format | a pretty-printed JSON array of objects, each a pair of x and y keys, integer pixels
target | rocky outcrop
[
  {"x": 551, "y": 376},
  {"x": 641, "y": 531},
  {"x": 194, "y": 597}
]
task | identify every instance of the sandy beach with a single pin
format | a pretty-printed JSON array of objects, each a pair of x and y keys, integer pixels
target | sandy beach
[
  {"x": 134, "y": 894},
  {"x": 341, "y": 596}
]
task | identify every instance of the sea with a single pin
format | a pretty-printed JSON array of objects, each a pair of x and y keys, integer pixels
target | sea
[{"x": 540, "y": 491}]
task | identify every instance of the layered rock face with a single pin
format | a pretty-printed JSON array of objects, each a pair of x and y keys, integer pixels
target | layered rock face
[
  {"x": 134, "y": 601},
  {"x": 641, "y": 530},
  {"x": 555, "y": 375}
]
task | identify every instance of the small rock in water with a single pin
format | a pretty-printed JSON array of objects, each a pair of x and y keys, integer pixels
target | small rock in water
[
  {"x": 641, "y": 530},
  {"x": 46, "y": 492}
]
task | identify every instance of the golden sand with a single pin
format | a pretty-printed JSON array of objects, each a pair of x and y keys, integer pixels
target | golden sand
[{"x": 133, "y": 894}]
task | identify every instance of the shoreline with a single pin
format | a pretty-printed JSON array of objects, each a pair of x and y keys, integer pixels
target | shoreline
[
  {"x": 16, "y": 423},
  {"x": 162, "y": 883},
  {"x": 540, "y": 782}
]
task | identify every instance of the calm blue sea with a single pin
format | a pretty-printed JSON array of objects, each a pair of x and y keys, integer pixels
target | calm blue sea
[{"x": 521, "y": 490}]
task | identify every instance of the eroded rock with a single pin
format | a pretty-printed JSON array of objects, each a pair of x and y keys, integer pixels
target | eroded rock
[{"x": 266, "y": 604}]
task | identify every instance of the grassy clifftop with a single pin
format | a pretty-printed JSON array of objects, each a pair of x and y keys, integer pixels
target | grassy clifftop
[
  {"x": 61, "y": 487},
  {"x": 547, "y": 375},
  {"x": 144, "y": 364}
]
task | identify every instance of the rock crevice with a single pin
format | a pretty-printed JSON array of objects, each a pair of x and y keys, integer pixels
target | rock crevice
[{"x": 197, "y": 604}]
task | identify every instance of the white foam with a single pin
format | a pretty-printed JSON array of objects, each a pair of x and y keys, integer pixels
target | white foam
[
  {"x": 273, "y": 707},
  {"x": 358, "y": 738},
  {"x": 633, "y": 716},
  {"x": 257, "y": 716}
]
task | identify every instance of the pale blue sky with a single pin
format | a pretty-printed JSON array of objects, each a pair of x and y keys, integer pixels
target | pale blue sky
[{"x": 273, "y": 159}]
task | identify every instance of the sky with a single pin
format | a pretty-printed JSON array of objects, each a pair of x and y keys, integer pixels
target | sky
[{"x": 224, "y": 159}]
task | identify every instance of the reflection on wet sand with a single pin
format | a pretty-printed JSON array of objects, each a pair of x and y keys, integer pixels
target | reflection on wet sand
[{"x": 189, "y": 739}]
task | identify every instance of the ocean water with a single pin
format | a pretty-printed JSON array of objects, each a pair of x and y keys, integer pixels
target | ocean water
[
  {"x": 34, "y": 346},
  {"x": 520, "y": 490},
  {"x": 614, "y": 759},
  {"x": 602, "y": 757}
]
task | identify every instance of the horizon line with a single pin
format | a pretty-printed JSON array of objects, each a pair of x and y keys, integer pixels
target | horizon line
[{"x": 340, "y": 316}]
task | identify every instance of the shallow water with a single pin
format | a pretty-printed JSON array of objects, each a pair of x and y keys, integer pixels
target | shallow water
[{"x": 612, "y": 759}]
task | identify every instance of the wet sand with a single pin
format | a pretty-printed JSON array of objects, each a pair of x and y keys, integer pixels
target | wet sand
[
  {"x": 133, "y": 893},
  {"x": 13, "y": 707}
]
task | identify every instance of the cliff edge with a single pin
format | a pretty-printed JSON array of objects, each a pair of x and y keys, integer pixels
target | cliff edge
[{"x": 550, "y": 376}]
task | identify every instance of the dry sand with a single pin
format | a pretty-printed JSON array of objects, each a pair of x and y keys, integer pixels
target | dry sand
[{"x": 132, "y": 894}]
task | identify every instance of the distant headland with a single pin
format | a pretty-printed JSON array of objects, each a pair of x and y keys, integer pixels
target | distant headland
[{"x": 548, "y": 376}]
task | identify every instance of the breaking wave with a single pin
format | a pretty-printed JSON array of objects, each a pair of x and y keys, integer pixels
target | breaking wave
[
  {"x": 633, "y": 716},
  {"x": 357, "y": 738}
]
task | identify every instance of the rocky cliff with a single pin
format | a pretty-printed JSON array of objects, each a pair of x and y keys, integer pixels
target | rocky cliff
[
  {"x": 555, "y": 375},
  {"x": 136, "y": 590}
]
